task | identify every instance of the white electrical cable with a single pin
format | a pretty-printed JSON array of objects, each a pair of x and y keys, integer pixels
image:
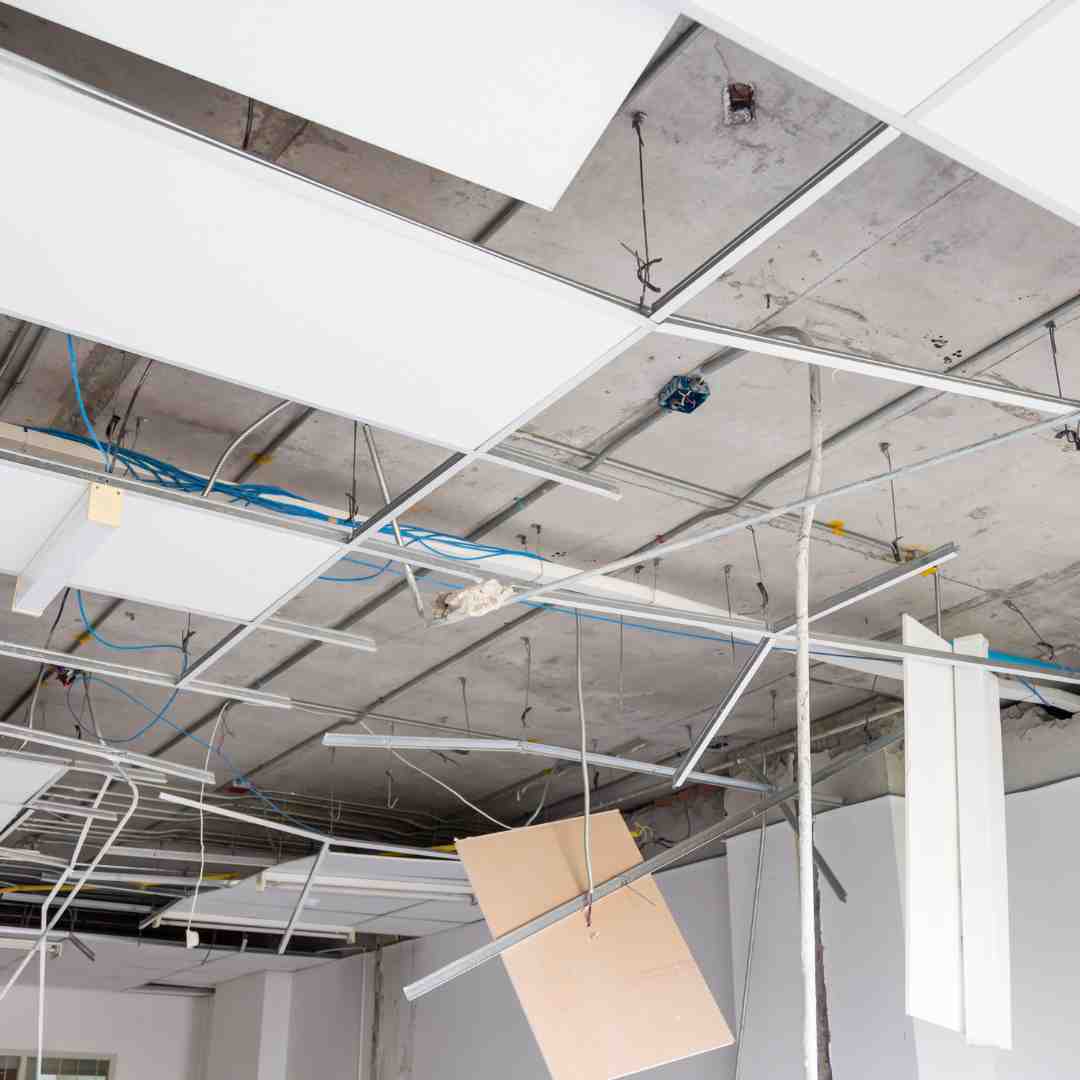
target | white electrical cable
[
  {"x": 189, "y": 941},
  {"x": 802, "y": 708},
  {"x": 447, "y": 787},
  {"x": 584, "y": 774}
]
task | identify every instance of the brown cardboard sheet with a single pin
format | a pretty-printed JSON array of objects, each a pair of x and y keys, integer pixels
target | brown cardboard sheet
[{"x": 604, "y": 1002}]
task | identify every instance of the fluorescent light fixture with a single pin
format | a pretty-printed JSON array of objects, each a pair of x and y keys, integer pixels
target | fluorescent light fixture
[
  {"x": 307, "y": 834},
  {"x": 535, "y": 102},
  {"x": 324, "y": 634},
  {"x": 204, "y": 921},
  {"x": 51, "y": 806},
  {"x": 546, "y": 469},
  {"x": 29, "y": 855},
  {"x": 226, "y": 858},
  {"x": 29, "y": 944},
  {"x": 521, "y": 746},
  {"x": 85, "y": 529},
  {"x": 159, "y": 188},
  {"x": 865, "y": 365},
  {"x": 417, "y": 889},
  {"x": 89, "y": 905},
  {"x": 123, "y": 757}
]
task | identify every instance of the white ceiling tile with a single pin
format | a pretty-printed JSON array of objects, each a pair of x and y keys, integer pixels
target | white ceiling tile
[
  {"x": 21, "y": 780},
  {"x": 511, "y": 98},
  {"x": 1012, "y": 116},
  {"x": 165, "y": 248}
]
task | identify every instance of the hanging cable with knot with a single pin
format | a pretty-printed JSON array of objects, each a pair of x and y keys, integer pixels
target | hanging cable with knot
[
  {"x": 644, "y": 265},
  {"x": 1070, "y": 435}
]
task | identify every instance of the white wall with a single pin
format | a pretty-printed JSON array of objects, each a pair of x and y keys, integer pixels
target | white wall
[
  {"x": 149, "y": 1035},
  {"x": 330, "y": 1013},
  {"x": 250, "y": 1027},
  {"x": 475, "y": 1027},
  {"x": 864, "y": 952}
]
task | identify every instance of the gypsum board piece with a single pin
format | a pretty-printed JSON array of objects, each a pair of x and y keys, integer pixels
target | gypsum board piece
[
  {"x": 521, "y": 746},
  {"x": 658, "y": 862},
  {"x": 307, "y": 834},
  {"x": 663, "y": 550}
]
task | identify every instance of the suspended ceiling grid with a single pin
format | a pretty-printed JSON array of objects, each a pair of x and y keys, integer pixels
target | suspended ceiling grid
[{"x": 913, "y": 258}]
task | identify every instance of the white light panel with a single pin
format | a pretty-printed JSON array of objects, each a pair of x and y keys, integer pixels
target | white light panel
[
  {"x": 895, "y": 55},
  {"x": 511, "y": 98},
  {"x": 20, "y": 781},
  {"x": 181, "y": 251},
  {"x": 365, "y": 913},
  {"x": 932, "y": 854},
  {"x": 163, "y": 553}
]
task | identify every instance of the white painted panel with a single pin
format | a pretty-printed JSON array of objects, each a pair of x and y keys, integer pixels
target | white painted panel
[
  {"x": 513, "y": 99},
  {"x": 894, "y": 54},
  {"x": 379, "y": 915},
  {"x": 932, "y": 924},
  {"x": 994, "y": 121},
  {"x": 983, "y": 871},
  {"x": 21, "y": 780},
  {"x": 217, "y": 565},
  {"x": 163, "y": 248}
]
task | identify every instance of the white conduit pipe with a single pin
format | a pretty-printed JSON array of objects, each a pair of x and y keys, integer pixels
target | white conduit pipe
[
  {"x": 802, "y": 698},
  {"x": 43, "y": 950},
  {"x": 110, "y": 840}
]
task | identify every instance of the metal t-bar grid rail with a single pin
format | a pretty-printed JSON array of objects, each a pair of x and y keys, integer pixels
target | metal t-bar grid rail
[{"x": 879, "y": 583}]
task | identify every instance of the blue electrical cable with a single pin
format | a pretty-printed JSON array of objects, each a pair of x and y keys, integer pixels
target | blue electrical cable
[
  {"x": 79, "y": 398},
  {"x": 1035, "y": 691}
]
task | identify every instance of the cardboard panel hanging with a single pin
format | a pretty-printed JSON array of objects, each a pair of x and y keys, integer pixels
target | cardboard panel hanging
[
  {"x": 606, "y": 1001},
  {"x": 180, "y": 250},
  {"x": 513, "y": 99}
]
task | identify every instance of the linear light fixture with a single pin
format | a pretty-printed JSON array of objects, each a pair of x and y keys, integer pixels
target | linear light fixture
[
  {"x": 89, "y": 905},
  {"x": 117, "y": 756},
  {"x": 170, "y": 855},
  {"x": 206, "y": 921},
  {"x": 307, "y": 834},
  {"x": 678, "y": 326},
  {"x": 343, "y": 884},
  {"x": 88, "y": 525},
  {"x": 29, "y": 855},
  {"x": 521, "y": 746}
]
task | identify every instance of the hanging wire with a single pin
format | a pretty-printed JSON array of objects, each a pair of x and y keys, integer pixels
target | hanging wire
[
  {"x": 622, "y": 654},
  {"x": 202, "y": 821},
  {"x": 761, "y": 575},
  {"x": 587, "y": 825},
  {"x": 1067, "y": 433},
  {"x": 465, "y": 701},
  {"x": 1039, "y": 639},
  {"x": 897, "y": 554},
  {"x": 351, "y": 495},
  {"x": 527, "y": 642},
  {"x": 731, "y": 611},
  {"x": 644, "y": 265},
  {"x": 249, "y": 124}
]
